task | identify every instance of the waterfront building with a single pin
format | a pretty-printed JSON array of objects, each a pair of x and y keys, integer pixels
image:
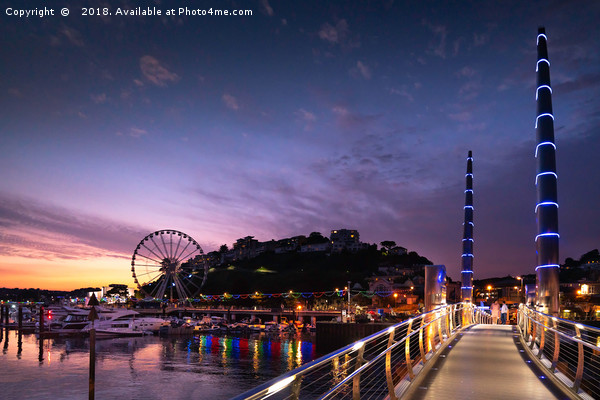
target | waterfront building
[
  {"x": 346, "y": 239},
  {"x": 289, "y": 244},
  {"x": 315, "y": 247}
]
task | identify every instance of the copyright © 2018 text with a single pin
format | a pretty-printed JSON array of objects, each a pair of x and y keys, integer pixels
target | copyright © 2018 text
[{"x": 127, "y": 12}]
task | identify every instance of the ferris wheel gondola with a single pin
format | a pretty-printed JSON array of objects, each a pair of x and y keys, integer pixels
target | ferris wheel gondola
[{"x": 169, "y": 264}]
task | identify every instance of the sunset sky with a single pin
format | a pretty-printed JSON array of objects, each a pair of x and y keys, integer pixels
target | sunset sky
[{"x": 305, "y": 116}]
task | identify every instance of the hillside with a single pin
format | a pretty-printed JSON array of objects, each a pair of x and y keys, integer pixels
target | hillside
[{"x": 318, "y": 271}]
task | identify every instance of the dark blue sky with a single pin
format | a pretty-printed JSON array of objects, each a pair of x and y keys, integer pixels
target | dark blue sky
[{"x": 305, "y": 116}]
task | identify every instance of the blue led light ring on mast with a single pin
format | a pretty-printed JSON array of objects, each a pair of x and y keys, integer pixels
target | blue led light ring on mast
[
  {"x": 547, "y": 234},
  {"x": 546, "y": 203},
  {"x": 543, "y": 115},
  {"x": 543, "y": 144},
  {"x": 542, "y": 87},
  {"x": 541, "y": 35},
  {"x": 545, "y": 173},
  {"x": 538, "y": 64},
  {"x": 547, "y": 266}
]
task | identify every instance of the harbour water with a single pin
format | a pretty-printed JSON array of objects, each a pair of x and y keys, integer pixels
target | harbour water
[{"x": 150, "y": 367}]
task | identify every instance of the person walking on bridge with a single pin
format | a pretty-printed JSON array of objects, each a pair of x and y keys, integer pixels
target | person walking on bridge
[
  {"x": 503, "y": 312},
  {"x": 495, "y": 309}
]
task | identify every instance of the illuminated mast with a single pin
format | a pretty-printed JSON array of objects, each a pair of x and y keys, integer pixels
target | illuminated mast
[
  {"x": 467, "y": 256},
  {"x": 546, "y": 210}
]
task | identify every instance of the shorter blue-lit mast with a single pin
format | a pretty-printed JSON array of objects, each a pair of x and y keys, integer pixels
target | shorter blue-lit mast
[{"x": 467, "y": 254}]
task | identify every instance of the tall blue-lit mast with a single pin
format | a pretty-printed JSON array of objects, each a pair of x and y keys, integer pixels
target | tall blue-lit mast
[
  {"x": 546, "y": 209},
  {"x": 467, "y": 256}
]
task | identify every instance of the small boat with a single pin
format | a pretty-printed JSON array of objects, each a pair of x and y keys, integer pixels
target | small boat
[
  {"x": 207, "y": 328},
  {"x": 256, "y": 328},
  {"x": 272, "y": 327},
  {"x": 74, "y": 321},
  {"x": 237, "y": 327}
]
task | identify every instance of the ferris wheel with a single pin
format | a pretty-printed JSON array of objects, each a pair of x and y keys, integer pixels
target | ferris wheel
[{"x": 169, "y": 264}]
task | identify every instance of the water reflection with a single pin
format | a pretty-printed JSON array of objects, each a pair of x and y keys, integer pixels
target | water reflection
[{"x": 206, "y": 366}]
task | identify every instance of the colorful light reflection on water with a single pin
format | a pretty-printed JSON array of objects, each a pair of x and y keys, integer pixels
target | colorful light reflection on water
[{"x": 176, "y": 367}]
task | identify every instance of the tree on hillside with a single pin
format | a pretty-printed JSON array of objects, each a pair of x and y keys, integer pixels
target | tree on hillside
[
  {"x": 388, "y": 245},
  {"x": 316, "y": 237},
  {"x": 223, "y": 249},
  {"x": 120, "y": 290},
  {"x": 590, "y": 256}
]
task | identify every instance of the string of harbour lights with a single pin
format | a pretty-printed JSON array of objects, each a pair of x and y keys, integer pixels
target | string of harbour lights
[{"x": 290, "y": 295}]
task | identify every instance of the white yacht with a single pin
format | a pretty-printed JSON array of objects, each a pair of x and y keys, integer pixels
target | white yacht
[{"x": 126, "y": 323}]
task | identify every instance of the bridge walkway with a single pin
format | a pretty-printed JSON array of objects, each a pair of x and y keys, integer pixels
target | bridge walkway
[{"x": 485, "y": 362}]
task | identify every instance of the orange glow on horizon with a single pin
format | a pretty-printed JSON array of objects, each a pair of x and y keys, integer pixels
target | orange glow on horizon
[{"x": 64, "y": 274}]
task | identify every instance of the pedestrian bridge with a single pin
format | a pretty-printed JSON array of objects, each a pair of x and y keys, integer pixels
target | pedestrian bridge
[{"x": 454, "y": 352}]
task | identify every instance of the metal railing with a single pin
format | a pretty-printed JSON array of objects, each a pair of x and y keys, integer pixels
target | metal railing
[
  {"x": 382, "y": 365},
  {"x": 568, "y": 352}
]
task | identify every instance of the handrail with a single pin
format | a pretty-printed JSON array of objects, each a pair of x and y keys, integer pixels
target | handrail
[
  {"x": 383, "y": 364},
  {"x": 568, "y": 351}
]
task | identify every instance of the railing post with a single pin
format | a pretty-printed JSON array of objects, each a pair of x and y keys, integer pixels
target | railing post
[
  {"x": 526, "y": 324},
  {"x": 542, "y": 337},
  {"x": 440, "y": 334},
  {"x": 295, "y": 389},
  {"x": 356, "y": 379},
  {"x": 421, "y": 348},
  {"x": 580, "y": 359},
  {"x": 533, "y": 332},
  {"x": 388, "y": 363},
  {"x": 556, "y": 345},
  {"x": 336, "y": 370},
  {"x": 447, "y": 320},
  {"x": 409, "y": 366}
]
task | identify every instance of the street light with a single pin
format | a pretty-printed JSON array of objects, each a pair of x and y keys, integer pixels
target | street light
[
  {"x": 395, "y": 299},
  {"x": 521, "y": 294}
]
